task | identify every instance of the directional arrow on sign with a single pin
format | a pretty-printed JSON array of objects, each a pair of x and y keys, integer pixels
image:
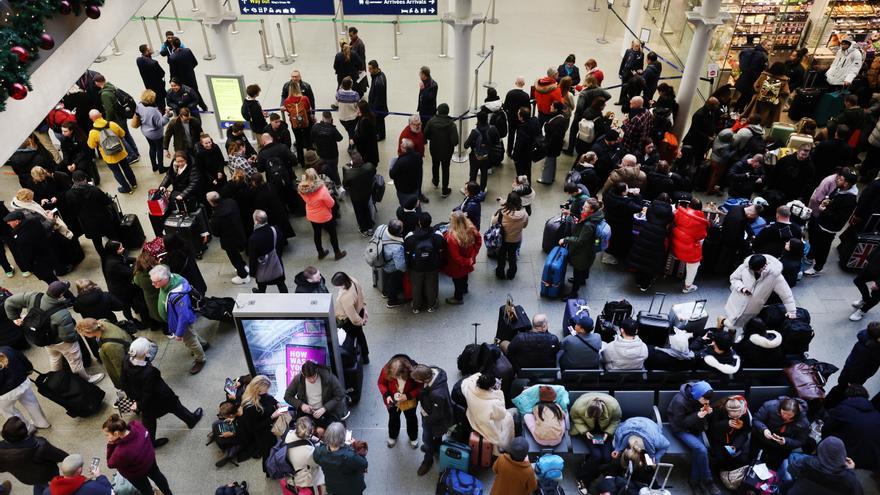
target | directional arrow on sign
[{"x": 431, "y": 10}]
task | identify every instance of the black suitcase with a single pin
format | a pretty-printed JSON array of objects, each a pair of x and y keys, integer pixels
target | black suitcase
[
  {"x": 863, "y": 247},
  {"x": 804, "y": 103},
  {"x": 77, "y": 396},
  {"x": 131, "y": 234},
  {"x": 189, "y": 226},
  {"x": 612, "y": 314},
  {"x": 556, "y": 228},
  {"x": 654, "y": 326}
]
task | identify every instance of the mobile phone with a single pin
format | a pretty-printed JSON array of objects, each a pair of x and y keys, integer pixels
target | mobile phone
[
  {"x": 230, "y": 386},
  {"x": 598, "y": 440},
  {"x": 94, "y": 466},
  {"x": 348, "y": 437},
  {"x": 730, "y": 450},
  {"x": 649, "y": 461},
  {"x": 283, "y": 408},
  {"x": 571, "y": 330}
]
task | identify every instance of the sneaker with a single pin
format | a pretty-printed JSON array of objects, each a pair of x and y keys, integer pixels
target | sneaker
[
  {"x": 341, "y": 254},
  {"x": 10, "y": 273},
  {"x": 414, "y": 444},
  {"x": 96, "y": 378},
  {"x": 123, "y": 190},
  {"x": 857, "y": 315},
  {"x": 134, "y": 187},
  {"x": 390, "y": 181},
  {"x": 391, "y": 442},
  {"x": 689, "y": 289},
  {"x": 454, "y": 301},
  {"x": 445, "y": 194},
  {"x": 857, "y": 304},
  {"x": 431, "y": 309},
  {"x": 25, "y": 274},
  {"x": 416, "y": 311},
  {"x": 370, "y": 232},
  {"x": 134, "y": 159},
  {"x": 811, "y": 272},
  {"x": 391, "y": 305},
  {"x": 711, "y": 488},
  {"x": 582, "y": 488},
  {"x": 241, "y": 281},
  {"x": 424, "y": 467},
  {"x": 490, "y": 171}
]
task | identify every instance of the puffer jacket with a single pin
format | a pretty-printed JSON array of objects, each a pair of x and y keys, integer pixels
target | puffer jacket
[
  {"x": 845, "y": 67},
  {"x": 624, "y": 354},
  {"x": 648, "y": 254},
  {"x": 795, "y": 432},
  {"x": 682, "y": 412},
  {"x": 854, "y": 421},
  {"x": 487, "y": 414},
  {"x": 608, "y": 422},
  {"x": 319, "y": 203},
  {"x": 533, "y": 350},
  {"x": 33, "y": 461},
  {"x": 863, "y": 360},
  {"x": 648, "y": 430},
  {"x": 761, "y": 351},
  {"x": 740, "y": 307},
  {"x": 689, "y": 230},
  {"x": 546, "y": 92}
]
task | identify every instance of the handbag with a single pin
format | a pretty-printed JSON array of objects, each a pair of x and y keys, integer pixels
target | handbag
[
  {"x": 281, "y": 424},
  {"x": 123, "y": 402},
  {"x": 269, "y": 266},
  {"x": 733, "y": 479},
  {"x": 806, "y": 381},
  {"x": 406, "y": 405},
  {"x": 493, "y": 238}
]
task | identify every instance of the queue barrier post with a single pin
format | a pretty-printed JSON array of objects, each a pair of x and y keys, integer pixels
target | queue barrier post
[
  {"x": 286, "y": 59},
  {"x": 290, "y": 22},
  {"x": 265, "y": 66},
  {"x": 116, "y": 51},
  {"x": 146, "y": 32},
  {"x": 394, "y": 34},
  {"x": 176, "y": 17},
  {"x": 208, "y": 55}
]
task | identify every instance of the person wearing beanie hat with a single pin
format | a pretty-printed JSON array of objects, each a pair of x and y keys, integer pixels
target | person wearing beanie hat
[
  {"x": 73, "y": 482},
  {"x": 834, "y": 213},
  {"x": 580, "y": 348},
  {"x": 442, "y": 136},
  {"x": 32, "y": 460},
  {"x": 828, "y": 472},
  {"x": 688, "y": 414},
  {"x": 728, "y": 434},
  {"x": 513, "y": 471},
  {"x": 547, "y": 421}
]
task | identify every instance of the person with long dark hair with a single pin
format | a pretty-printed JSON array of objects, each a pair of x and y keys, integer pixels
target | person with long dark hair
[
  {"x": 513, "y": 220},
  {"x": 351, "y": 311},
  {"x": 365, "y": 139}
]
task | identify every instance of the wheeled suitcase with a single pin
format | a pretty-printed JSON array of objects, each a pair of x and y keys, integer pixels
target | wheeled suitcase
[
  {"x": 804, "y": 103},
  {"x": 481, "y": 451},
  {"x": 455, "y": 455},
  {"x": 830, "y": 105},
  {"x": 189, "y": 226},
  {"x": 77, "y": 396},
  {"x": 866, "y": 243},
  {"x": 131, "y": 234},
  {"x": 780, "y": 132},
  {"x": 796, "y": 140},
  {"x": 574, "y": 309},
  {"x": 690, "y": 317},
  {"x": 512, "y": 319},
  {"x": 555, "y": 229},
  {"x": 613, "y": 313},
  {"x": 654, "y": 326},
  {"x": 553, "y": 277}
]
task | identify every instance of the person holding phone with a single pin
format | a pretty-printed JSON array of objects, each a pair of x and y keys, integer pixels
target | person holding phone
[
  {"x": 400, "y": 394},
  {"x": 780, "y": 427},
  {"x": 728, "y": 433},
  {"x": 688, "y": 417},
  {"x": 751, "y": 285},
  {"x": 596, "y": 416},
  {"x": 74, "y": 481}
]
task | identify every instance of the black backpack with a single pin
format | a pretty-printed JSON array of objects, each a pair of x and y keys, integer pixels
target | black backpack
[
  {"x": 276, "y": 174},
  {"x": 755, "y": 144},
  {"x": 37, "y": 324},
  {"x": 539, "y": 148},
  {"x": 481, "y": 145},
  {"x": 796, "y": 336},
  {"x": 125, "y": 104},
  {"x": 499, "y": 122},
  {"x": 425, "y": 257}
]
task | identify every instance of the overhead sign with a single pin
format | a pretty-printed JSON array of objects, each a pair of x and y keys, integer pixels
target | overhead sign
[
  {"x": 389, "y": 7},
  {"x": 286, "y": 7},
  {"x": 227, "y": 95}
]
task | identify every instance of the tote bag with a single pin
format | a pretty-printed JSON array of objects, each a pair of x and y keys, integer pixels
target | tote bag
[{"x": 269, "y": 266}]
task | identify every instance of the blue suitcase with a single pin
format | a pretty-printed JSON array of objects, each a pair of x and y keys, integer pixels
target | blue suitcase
[
  {"x": 455, "y": 455},
  {"x": 553, "y": 277},
  {"x": 574, "y": 309},
  {"x": 830, "y": 105}
]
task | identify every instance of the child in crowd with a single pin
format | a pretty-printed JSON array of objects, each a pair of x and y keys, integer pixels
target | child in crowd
[{"x": 224, "y": 432}]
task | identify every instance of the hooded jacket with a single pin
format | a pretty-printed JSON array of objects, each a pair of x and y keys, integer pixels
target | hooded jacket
[
  {"x": 305, "y": 286},
  {"x": 79, "y": 485},
  {"x": 487, "y": 414},
  {"x": 825, "y": 473},
  {"x": 854, "y": 421},
  {"x": 624, "y": 354},
  {"x": 845, "y": 67},
  {"x": 722, "y": 149},
  {"x": 133, "y": 454},
  {"x": 92, "y": 208},
  {"x": 863, "y": 360},
  {"x": 442, "y": 136},
  {"x": 740, "y": 307},
  {"x": 608, "y": 421},
  {"x": 682, "y": 412},
  {"x": 688, "y": 232},
  {"x": 61, "y": 321},
  {"x": 795, "y": 431},
  {"x": 835, "y": 216},
  {"x": 582, "y": 242},
  {"x": 435, "y": 401},
  {"x": 742, "y": 137},
  {"x": 727, "y": 363},
  {"x": 546, "y": 92},
  {"x": 648, "y": 430},
  {"x": 761, "y": 351}
]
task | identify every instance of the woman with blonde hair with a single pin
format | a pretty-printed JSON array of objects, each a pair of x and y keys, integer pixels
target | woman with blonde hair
[
  {"x": 463, "y": 242},
  {"x": 259, "y": 410},
  {"x": 92, "y": 302},
  {"x": 636, "y": 439},
  {"x": 152, "y": 124},
  {"x": 400, "y": 394},
  {"x": 50, "y": 188},
  {"x": 307, "y": 474},
  {"x": 15, "y": 388},
  {"x": 24, "y": 200},
  {"x": 319, "y": 212},
  {"x": 302, "y": 117}
]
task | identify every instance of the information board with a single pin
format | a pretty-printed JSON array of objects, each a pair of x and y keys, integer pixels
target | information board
[
  {"x": 227, "y": 95},
  {"x": 286, "y": 7},
  {"x": 389, "y": 7}
]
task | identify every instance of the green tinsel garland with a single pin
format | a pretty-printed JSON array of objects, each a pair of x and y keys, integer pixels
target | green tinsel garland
[{"x": 22, "y": 27}]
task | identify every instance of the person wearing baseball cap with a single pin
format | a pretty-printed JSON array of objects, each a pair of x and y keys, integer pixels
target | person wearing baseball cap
[
  {"x": 688, "y": 417},
  {"x": 834, "y": 213},
  {"x": 580, "y": 348}
]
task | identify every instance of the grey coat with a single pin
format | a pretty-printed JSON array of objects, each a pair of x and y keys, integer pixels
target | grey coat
[{"x": 62, "y": 321}]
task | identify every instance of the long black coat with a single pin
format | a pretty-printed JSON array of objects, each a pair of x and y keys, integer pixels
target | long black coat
[
  {"x": 428, "y": 98},
  {"x": 407, "y": 173},
  {"x": 854, "y": 421},
  {"x": 366, "y": 140},
  {"x": 22, "y": 161},
  {"x": 648, "y": 254},
  {"x": 863, "y": 360},
  {"x": 226, "y": 225},
  {"x": 33, "y": 461},
  {"x": 632, "y": 61},
  {"x": 702, "y": 129},
  {"x": 97, "y": 304},
  {"x": 182, "y": 262},
  {"x": 118, "y": 272},
  {"x": 182, "y": 64},
  {"x": 152, "y": 74},
  {"x": 378, "y": 95},
  {"x": 210, "y": 163},
  {"x": 93, "y": 209},
  {"x": 243, "y": 195},
  {"x": 32, "y": 248},
  {"x": 619, "y": 212},
  {"x": 260, "y": 244},
  {"x": 255, "y": 430},
  {"x": 266, "y": 199},
  {"x": 555, "y": 130},
  {"x": 145, "y": 385}
]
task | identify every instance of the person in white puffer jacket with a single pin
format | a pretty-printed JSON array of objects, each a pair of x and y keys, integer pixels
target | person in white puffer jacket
[{"x": 846, "y": 65}]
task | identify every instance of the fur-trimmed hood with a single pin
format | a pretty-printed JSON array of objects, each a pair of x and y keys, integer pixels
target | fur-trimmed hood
[{"x": 772, "y": 340}]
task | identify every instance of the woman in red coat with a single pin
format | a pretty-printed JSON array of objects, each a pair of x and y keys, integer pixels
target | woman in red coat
[
  {"x": 463, "y": 242},
  {"x": 400, "y": 394},
  {"x": 689, "y": 230}
]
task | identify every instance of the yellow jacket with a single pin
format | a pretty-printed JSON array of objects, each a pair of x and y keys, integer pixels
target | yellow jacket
[{"x": 95, "y": 140}]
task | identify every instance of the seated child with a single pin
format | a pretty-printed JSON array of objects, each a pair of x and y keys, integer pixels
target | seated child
[{"x": 224, "y": 432}]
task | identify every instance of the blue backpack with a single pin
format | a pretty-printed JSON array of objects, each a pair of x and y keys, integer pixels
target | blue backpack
[
  {"x": 549, "y": 467},
  {"x": 277, "y": 465},
  {"x": 603, "y": 237},
  {"x": 731, "y": 202},
  {"x": 456, "y": 482}
]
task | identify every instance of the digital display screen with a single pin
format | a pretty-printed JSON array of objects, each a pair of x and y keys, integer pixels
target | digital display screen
[{"x": 279, "y": 347}]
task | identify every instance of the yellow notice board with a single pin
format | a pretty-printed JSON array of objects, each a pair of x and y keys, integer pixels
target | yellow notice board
[{"x": 227, "y": 95}]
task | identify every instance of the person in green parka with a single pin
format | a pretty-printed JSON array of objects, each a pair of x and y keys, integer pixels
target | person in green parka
[
  {"x": 141, "y": 278},
  {"x": 113, "y": 342},
  {"x": 581, "y": 245}
]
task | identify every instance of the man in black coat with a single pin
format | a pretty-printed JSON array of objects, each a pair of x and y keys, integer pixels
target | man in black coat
[
  {"x": 428, "y": 89},
  {"x": 620, "y": 205},
  {"x": 854, "y": 421},
  {"x": 378, "y": 97},
  {"x": 702, "y": 131},
  {"x": 182, "y": 65},
  {"x": 407, "y": 172},
  {"x": 772, "y": 238},
  {"x": 651, "y": 75},
  {"x": 515, "y": 99},
  {"x": 304, "y": 87},
  {"x": 182, "y": 96},
  {"x": 834, "y": 212},
  {"x": 93, "y": 209},
  {"x": 260, "y": 244},
  {"x": 527, "y": 131},
  {"x": 608, "y": 155},
  {"x": 794, "y": 175},
  {"x": 752, "y": 62},
  {"x": 118, "y": 271},
  {"x": 153, "y": 75},
  {"x": 357, "y": 178},
  {"x": 746, "y": 177},
  {"x": 736, "y": 233},
  {"x": 31, "y": 245},
  {"x": 536, "y": 348},
  {"x": 226, "y": 225},
  {"x": 436, "y": 405},
  {"x": 325, "y": 139},
  {"x": 271, "y": 155},
  {"x": 863, "y": 360}
]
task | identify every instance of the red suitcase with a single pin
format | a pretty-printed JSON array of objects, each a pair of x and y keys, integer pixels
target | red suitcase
[{"x": 481, "y": 451}]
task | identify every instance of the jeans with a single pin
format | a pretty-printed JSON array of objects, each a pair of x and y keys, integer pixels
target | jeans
[
  {"x": 330, "y": 227},
  {"x": 440, "y": 173},
  {"x": 481, "y": 166},
  {"x": 123, "y": 174},
  {"x": 699, "y": 455},
  {"x": 130, "y": 145},
  {"x": 363, "y": 212},
  {"x": 70, "y": 352},
  {"x": 548, "y": 171},
  {"x": 412, "y": 423},
  {"x": 425, "y": 288},
  {"x": 820, "y": 245},
  {"x": 869, "y": 299},
  {"x": 785, "y": 479},
  {"x": 177, "y": 409},
  {"x": 237, "y": 261},
  {"x": 155, "y": 153},
  {"x": 194, "y": 343},
  {"x": 431, "y": 441},
  {"x": 461, "y": 287},
  {"x": 143, "y": 484},
  {"x": 507, "y": 256},
  {"x": 24, "y": 395}
]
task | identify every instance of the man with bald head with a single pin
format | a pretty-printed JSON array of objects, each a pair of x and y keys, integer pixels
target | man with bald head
[
  {"x": 703, "y": 125},
  {"x": 515, "y": 99},
  {"x": 629, "y": 173},
  {"x": 107, "y": 138},
  {"x": 637, "y": 126}
]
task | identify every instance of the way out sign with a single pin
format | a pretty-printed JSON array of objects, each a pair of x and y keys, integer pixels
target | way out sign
[
  {"x": 389, "y": 7},
  {"x": 286, "y": 7}
]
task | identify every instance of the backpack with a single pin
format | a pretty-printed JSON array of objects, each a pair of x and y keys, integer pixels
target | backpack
[
  {"x": 110, "y": 144},
  {"x": 755, "y": 144},
  {"x": 481, "y": 145},
  {"x": 234, "y": 488},
  {"x": 796, "y": 336},
  {"x": 425, "y": 257},
  {"x": 299, "y": 117},
  {"x": 499, "y": 122},
  {"x": 602, "y": 237},
  {"x": 539, "y": 149},
  {"x": 573, "y": 176},
  {"x": 769, "y": 92},
  {"x": 586, "y": 131},
  {"x": 374, "y": 254},
  {"x": 457, "y": 482},
  {"x": 277, "y": 465},
  {"x": 276, "y": 174},
  {"x": 125, "y": 104},
  {"x": 37, "y": 324},
  {"x": 549, "y": 467}
]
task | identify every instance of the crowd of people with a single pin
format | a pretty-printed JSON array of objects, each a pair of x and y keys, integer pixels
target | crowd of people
[{"x": 628, "y": 199}]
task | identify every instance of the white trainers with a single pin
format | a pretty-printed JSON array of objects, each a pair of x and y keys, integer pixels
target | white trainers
[
  {"x": 857, "y": 304},
  {"x": 689, "y": 289},
  {"x": 96, "y": 378},
  {"x": 241, "y": 281},
  {"x": 414, "y": 444},
  {"x": 391, "y": 442},
  {"x": 811, "y": 272},
  {"x": 857, "y": 315}
]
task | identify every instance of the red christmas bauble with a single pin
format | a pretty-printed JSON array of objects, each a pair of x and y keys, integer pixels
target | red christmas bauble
[
  {"x": 93, "y": 12},
  {"x": 18, "y": 91},
  {"x": 20, "y": 52},
  {"x": 64, "y": 7},
  {"x": 47, "y": 42}
]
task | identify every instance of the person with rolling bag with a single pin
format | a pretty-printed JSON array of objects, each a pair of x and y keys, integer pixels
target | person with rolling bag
[
  {"x": 512, "y": 219},
  {"x": 436, "y": 411},
  {"x": 582, "y": 245}
]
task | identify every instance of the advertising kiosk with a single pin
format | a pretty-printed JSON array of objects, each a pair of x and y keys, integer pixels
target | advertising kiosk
[{"x": 280, "y": 332}]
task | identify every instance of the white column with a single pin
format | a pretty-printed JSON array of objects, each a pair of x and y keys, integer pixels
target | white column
[
  {"x": 463, "y": 25},
  {"x": 217, "y": 20},
  {"x": 705, "y": 20},
  {"x": 634, "y": 21}
]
